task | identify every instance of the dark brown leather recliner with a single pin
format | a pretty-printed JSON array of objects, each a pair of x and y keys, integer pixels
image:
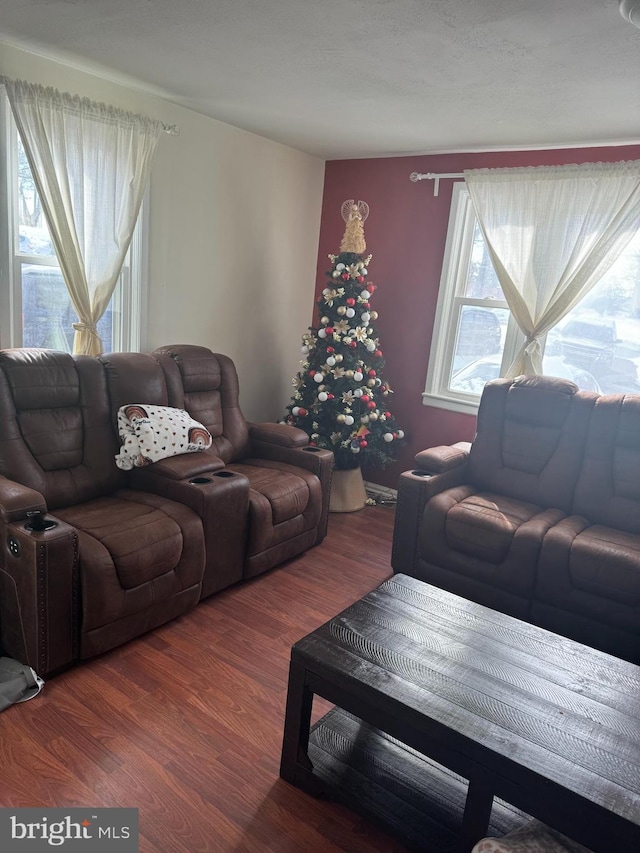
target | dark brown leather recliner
[
  {"x": 118, "y": 561},
  {"x": 288, "y": 481},
  {"x": 539, "y": 516},
  {"x": 481, "y": 535}
]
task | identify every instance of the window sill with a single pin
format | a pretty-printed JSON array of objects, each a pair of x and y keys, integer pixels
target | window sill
[{"x": 438, "y": 401}]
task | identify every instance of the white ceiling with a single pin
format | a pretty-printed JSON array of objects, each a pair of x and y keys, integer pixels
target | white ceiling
[{"x": 363, "y": 78}]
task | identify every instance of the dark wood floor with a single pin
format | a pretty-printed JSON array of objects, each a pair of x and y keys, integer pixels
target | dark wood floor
[{"x": 185, "y": 724}]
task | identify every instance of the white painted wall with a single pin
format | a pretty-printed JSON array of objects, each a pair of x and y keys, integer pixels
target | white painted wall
[{"x": 233, "y": 235}]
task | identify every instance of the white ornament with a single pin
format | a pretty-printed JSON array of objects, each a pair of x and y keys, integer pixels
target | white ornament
[
  {"x": 295, "y": 410},
  {"x": 318, "y": 378},
  {"x": 365, "y": 419},
  {"x": 323, "y": 396},
  {"x": 400, "y": 433},
  {"x": 348, "y": 420},
  {"x": 326, "y": 291},
  {"x": 355, "y": 449},
  {"x": 388, "y": 436},
  {"x": 358, "y": 392},
  {"x": 350, "y": 313},
  {"x": 364, "y": 271},
  {"x": 322, "y": 333},
  {"x": 365, "y": 294},
  {"x": 340, "y": 266},
  {"x": 365, "y": 317},
  {"x": 358, "y": 376},
  {"x": 331, "y": 361},
  {"x": 304, "y": 349},
  {"x": 370, "y": 346}
]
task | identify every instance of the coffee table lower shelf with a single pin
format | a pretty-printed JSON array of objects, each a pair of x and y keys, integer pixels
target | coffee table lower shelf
[{"x": 413, "y": 798}]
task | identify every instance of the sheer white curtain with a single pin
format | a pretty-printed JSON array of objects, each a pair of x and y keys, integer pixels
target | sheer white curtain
[
  {"x": 552, "y": 233},
  {"x": 91, "y": 164}
]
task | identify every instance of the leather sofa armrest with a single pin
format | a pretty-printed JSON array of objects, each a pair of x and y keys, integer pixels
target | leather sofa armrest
[
  {"x": 437, "y": 460},
  {"x": 39, "y": 594},
  {"x": 439, "y": 468},
  {"x": 185, "y": 465},
  {"x": 284, "y": 435},
  {"x": 17, "y": 500}
]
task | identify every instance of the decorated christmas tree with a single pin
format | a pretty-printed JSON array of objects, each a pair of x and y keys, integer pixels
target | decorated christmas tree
[{"x": 341, "y": 399}]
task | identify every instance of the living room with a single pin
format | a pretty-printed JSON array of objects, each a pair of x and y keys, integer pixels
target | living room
[{"x": 239, "y": 229}]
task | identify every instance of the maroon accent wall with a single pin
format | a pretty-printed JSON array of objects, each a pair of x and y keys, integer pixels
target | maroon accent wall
[{"x": 405, "y": 233}]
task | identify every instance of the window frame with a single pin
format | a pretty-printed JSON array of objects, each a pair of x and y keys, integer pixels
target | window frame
[
  {"x": 129, "y": 297},
  {"x": 451, "y": 300}
]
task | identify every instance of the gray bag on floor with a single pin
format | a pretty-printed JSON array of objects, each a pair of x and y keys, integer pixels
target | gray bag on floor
[{"x": 17, "y": 682}]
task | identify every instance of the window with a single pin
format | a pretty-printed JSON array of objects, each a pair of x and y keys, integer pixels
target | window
[
  {"x": 597, "y": 345},
  {"x": 35, "y": 308}
]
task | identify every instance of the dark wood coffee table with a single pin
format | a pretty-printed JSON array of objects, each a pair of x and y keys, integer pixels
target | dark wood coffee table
[{"x": 452, "y": 717}]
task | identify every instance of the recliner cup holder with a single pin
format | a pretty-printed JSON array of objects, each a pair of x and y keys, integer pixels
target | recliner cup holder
[
  {"x": 37, "y": 522},
  {"x": 200, "y": 481},
  {"x": 421, "y": 474},
  {"x": 224, "y": 474},
  {"x": 312, "y": 449}
]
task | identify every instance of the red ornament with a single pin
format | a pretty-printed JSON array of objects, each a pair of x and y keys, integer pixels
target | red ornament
[
  {"x": 329, "y": 330},
  {"x": 371, "y": 404},
  {"x": 366, "y": 305},
  {"x": 312, "y": 373},
  {"x": 363, "y": 444},
  {"x": 302, "y": 413},
  {"x": 345, "y": 276},
  {"x": 353, "y": 344},
  {"x": 351, "y": 301},
  {"x": 365, "y": 398},
  {"x": 371, "y": 373},
  {"x": 387, "y": 414},
  {"x": 371, "y": 287},
  {"x": 331, "y": 349},
  {"x": 378, "y": 353},
  {"x": 312, "y": 443},
  {"x": 360, "y": 278},
  {"x": 330, "y": 396}
]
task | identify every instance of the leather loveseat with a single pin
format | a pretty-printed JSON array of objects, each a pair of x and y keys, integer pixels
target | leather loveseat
[
  {"x": 538, "y": 517},
  {"x": 92, "y": 556}
]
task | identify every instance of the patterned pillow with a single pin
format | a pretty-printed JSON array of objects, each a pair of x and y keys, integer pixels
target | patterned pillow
[{"x": 149, "y": 433}]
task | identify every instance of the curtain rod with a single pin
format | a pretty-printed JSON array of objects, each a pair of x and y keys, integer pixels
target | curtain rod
[
  {"x": 170, "y": 129},
  {"x": 435, "y": 177}
]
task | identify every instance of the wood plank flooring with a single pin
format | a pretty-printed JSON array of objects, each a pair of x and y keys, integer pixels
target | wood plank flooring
[{"x": 185, "y": 724}]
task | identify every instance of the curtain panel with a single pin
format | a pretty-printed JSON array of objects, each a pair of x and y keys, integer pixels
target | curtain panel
[
  {"x": 552, "y": 232},
  {"x": 91, "y": 164}
]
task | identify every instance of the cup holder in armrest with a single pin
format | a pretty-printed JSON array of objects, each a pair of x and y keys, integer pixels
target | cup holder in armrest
[
  {"x": 224, "y": 474},
  {"x": 200, "y": 481},
  {"x": 422, "y": 474},
  {"x": 312, "y": 449},
  {"x": 37, "y": 522}
]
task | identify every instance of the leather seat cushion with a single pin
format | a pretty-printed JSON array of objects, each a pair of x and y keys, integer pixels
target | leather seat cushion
[
  {"x": 287, "y": 491},
  {"x": 596, "y": 568},
  {"x": 284, "y": 502},
  {"x": 484, "y": 525},
  {"x": 485, "y": 536},
  {"x": 135, "y": 549}
]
